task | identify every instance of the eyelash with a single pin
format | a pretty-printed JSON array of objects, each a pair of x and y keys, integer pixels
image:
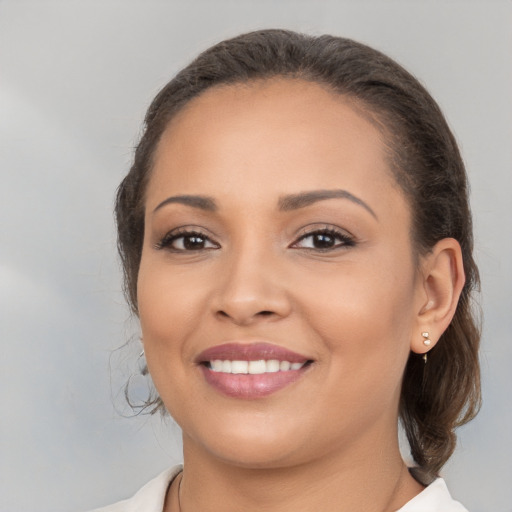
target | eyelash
[
  {"x": 343, "y": 239},
  {"x": 170, "y": 238}
]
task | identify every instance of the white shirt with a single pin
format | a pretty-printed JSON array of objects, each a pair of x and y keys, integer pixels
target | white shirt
[{"x": 151, "y": 498}]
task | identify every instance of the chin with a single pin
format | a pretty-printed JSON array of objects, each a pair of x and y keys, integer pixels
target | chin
[
  {"x": 257, "y": 456},
  {"x": 253, "y": 446}
]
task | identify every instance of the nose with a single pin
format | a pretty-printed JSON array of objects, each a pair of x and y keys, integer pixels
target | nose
[{"x": 251, "y": 289}]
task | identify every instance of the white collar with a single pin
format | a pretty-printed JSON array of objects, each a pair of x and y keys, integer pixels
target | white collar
[
  {"x": 434, "y": 498},
  {"x": 150, "y": 498}
]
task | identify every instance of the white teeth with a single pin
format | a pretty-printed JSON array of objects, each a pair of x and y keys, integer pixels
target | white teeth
[
  {"x": 216, "y": 365},
  {"x": 273, "y": 366},
  {"x": 284, "y": 366},
  {"x": 239, "y": 366},
  {"x": 254, "y": 367}
]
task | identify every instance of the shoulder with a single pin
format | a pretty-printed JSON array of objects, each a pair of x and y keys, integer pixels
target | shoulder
[
  {"x": 149, "y": 498},
  {"x": 434, "y": 498}
]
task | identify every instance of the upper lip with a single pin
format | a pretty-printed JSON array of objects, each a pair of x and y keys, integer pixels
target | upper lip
[{"x": 249, "y": 352}]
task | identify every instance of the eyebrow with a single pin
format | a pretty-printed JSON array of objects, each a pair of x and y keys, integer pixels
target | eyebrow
[
  {"x": 285, "y": 203},
  {"x": 303, "y": 199},
  {"x": 202, "y": 202}
]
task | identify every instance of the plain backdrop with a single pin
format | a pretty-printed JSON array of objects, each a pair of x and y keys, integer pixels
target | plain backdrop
[{"x": 75, "y": 78}]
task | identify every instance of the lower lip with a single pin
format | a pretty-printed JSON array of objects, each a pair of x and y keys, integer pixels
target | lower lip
[{"x": 251, "y": 386}]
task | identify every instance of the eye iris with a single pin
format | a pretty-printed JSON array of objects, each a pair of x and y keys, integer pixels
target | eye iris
[
  {"x": 323, "y": 240},
  {"x": 193, "y": 242}
]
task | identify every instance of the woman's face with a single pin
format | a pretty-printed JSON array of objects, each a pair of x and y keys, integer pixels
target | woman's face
[{"x": 276, "y": 234}]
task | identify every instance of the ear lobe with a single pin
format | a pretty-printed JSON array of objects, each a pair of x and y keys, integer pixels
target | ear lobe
[{"x": 442, "y": 279}]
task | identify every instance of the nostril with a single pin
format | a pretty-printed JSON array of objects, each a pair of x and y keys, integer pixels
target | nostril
[{"x": 242, "y": 317}]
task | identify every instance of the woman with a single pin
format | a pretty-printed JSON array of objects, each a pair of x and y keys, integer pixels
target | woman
[{"x": 296, "y": 241}]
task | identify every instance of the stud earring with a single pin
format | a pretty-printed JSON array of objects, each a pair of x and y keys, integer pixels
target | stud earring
[{"x": 426, "y": 341}]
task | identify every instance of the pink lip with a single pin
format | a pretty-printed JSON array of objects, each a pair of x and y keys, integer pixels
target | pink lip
[
  {"x": 249, "y": 352},
  {"x": 248, "y": 386}
]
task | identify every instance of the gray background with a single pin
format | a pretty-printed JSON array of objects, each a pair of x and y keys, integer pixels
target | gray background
[{"x": 75, "y": 79}]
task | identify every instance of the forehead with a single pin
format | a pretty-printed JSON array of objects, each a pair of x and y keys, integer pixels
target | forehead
[{"x": 268, "y": 138}]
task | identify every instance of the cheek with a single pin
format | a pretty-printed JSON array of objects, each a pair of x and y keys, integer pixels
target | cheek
[
  {"x": 168, "y": 303},
  {"x": 168, "y": 313},
  {"x": 358, "y": 298},
  {"x": 364, "y": 315}
]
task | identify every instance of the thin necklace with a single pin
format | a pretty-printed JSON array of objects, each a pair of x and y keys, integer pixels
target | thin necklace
[
  {"x": 395, "y": 489},
  {"x": 179, "y": 492}
]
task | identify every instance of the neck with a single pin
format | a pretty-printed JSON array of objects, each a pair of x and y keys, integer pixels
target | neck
[{"x": 377, "y": 481}]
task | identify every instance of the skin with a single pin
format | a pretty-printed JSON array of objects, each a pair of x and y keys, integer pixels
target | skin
[{"x": 356, "y": 310}]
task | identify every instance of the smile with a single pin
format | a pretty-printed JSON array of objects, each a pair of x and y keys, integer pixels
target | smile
[
  {"x": 251, "y": 371},
  {"x": 254, "y": 367}
]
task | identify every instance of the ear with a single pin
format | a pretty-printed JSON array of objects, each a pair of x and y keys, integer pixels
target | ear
[{"x": 442, "y": 280}]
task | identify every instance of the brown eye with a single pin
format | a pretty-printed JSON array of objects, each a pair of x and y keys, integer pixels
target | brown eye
[
  {"x": 324, "y": 240},
  {"x": 187, "y": 241},
  {"x": 192, "y": 242}
]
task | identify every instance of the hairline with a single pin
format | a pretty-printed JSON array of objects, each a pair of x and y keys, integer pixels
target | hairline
[{"x": 371, "y": 113}]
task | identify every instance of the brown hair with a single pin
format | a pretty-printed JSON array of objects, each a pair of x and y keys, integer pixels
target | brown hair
[{"x": 437, "y": 397}]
